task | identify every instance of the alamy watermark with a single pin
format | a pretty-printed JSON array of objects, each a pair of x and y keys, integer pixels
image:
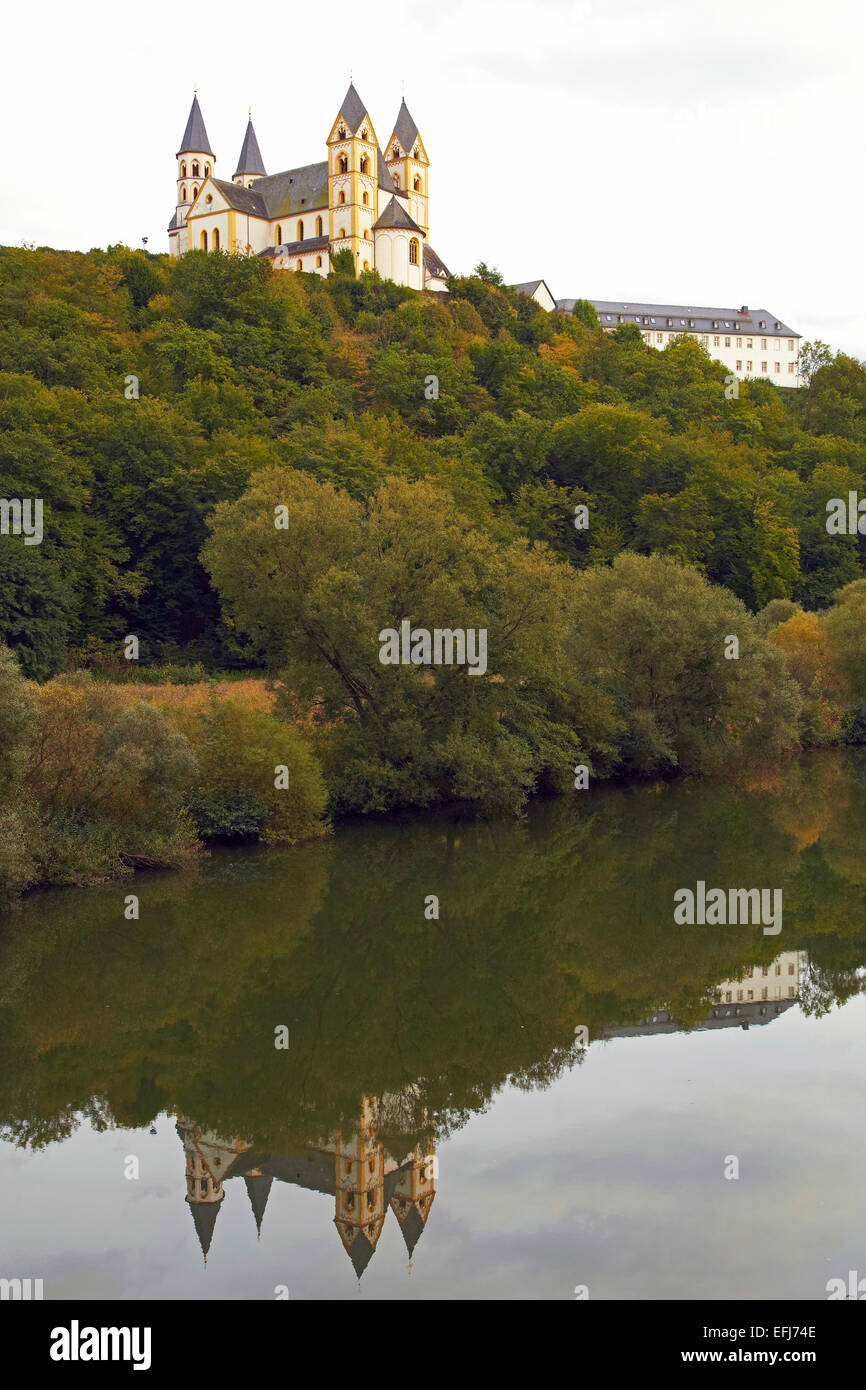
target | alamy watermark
[
  {"x": 22, "y": 517},
  {"x": 445, "y": 646},
  {"x": 720, "y": 907}
]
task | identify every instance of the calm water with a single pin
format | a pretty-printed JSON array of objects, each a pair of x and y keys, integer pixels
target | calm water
[{"x": 435, "y": 1127}]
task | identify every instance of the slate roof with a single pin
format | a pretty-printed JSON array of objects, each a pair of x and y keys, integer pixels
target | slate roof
[
  {"x": 352, "y": 109},
  {"x": 385, "y": 180},
  {"x": 395, "y": 215},
  {"x": 242, "y": 199},
  {"x": 433, "y": 265},
  {"x": 697, "y": 320},
  {"x": 296, "y": 248},
  {"x": 295, "y": 191},
  {"x": 175, "y": 222},
  {"x": 195, "y": 139},
  {"x": 250, "y": 158},
  {"x": 405, "y": 129}
]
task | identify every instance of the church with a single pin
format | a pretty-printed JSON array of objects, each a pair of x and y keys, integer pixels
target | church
[{"x": 357, "y": 199}]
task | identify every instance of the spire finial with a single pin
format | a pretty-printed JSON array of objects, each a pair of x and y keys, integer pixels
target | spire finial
[{"x": 250, "y": 112}]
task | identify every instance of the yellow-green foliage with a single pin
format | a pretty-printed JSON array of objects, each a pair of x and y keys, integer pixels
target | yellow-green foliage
[{"x": 240, "y": 752}]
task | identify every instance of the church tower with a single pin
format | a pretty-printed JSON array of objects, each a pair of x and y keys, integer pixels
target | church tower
[
  {"x": 353, "y": 180},
  {"x": 251, "y": 166},
  {"x": 409, "y": 167},
  {"x": 195, "y": 161},
  {"x": 413, "y": 1194},
  {"x": 360, "y": 1189}
]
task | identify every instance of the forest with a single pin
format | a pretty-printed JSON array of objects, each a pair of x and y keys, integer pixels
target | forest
[{"x": 612, "y": 516}]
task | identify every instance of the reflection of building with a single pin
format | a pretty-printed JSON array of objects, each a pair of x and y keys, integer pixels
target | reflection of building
[
  {"x": 363, "y": 1178},
  {"x": 779, "y": 980},
  {"x": 757, "y": 997}
]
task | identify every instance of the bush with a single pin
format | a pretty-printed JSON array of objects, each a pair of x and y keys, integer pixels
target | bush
[
  {"x": 238, "y": 750},
  {"x": 110, "y": 781}
]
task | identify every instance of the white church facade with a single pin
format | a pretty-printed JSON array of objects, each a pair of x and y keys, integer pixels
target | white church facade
[{"x": 358, "y": 199}]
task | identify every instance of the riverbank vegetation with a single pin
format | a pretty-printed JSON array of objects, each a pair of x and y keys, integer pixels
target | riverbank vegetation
[{"x": 431, "y": 461}]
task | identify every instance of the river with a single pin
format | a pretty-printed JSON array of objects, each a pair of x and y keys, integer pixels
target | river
[{"x": 290, "y": 1078}]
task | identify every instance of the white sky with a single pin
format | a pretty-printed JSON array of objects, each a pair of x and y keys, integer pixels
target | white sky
[{"x": 682, "y": 150}]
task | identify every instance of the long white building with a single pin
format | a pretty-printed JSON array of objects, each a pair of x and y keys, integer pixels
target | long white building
[{"x": 750, "y": 342}]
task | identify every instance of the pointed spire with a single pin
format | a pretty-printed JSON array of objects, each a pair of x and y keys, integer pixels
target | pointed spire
[
  {"x": 204, "y": 1215},
  {"x": 258, "y": 1191},
  {"x": 352, "y": 109},
  {"x": 250, "y": 158},
  {"x": 405, "y": 128},
  {"x": 195, "y": 139}
]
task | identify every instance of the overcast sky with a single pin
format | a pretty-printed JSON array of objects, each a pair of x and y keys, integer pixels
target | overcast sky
[{"x": 684, "y": 150}]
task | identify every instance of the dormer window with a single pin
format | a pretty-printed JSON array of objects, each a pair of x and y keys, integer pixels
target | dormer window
[
  {"x": 342, "y": 132},
  {"x": 364, "y": 135},
  {"x": 415, "y": 154},
  {"x": 396, "y": 152}
]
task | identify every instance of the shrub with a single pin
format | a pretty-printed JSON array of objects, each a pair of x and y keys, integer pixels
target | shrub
[
  {"x": 238, "y": 750},
  {"x": 110, "y": 780}
]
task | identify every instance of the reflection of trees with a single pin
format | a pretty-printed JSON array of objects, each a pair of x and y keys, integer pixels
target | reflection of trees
[{"x": 562, "y": 919}]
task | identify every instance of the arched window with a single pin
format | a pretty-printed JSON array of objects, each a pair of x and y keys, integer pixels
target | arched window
[
  {"x": 396, "y": 154},
  {"x": 396, "y": 178},
  {"x": 300, "y": 235},
  {"x": 342, "y": 231},
  {"x": 364, "y": 135},
  {"x": 183, "y": 195},
  {"x": 318, "y": 262},
  {"x": 204, "y": 241},
  {"x": 318, "y": 226},
  {"x": 413, "y": 251},
  {"x": 183, "y": 170},
  {"x": 207, "y": 170},
  {"x": 366, "y": 265},
  {"x": 366, "y": 235},
  {"x": 342, "y": 197},
  {"x": 194, "y": 194},
  {"x": 366, "y": 200},
  {"x": 364, "y": 165},
  {"x": 216, "y": 238},
  {"x": 278, "y": 236},
  {"x": 195, "y": 170},
  {"x": 344, "y": 164},
  {"x": 342, "y": 132},
  {"x": 300, "y": 263},
  {"x": 417, "y": 185}
]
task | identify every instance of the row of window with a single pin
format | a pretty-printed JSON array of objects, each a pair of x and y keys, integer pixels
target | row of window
[
  {"x": 278, "y": 235},
  {"x": 765, "y": 994},
  {"x": 195, "y": 170},
  {"x": 717, "y": 340},
  {"x": 777, "y": 367}
]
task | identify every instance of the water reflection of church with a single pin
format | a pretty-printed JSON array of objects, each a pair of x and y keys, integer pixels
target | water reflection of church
[{"x": 364, "y": 1179}]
